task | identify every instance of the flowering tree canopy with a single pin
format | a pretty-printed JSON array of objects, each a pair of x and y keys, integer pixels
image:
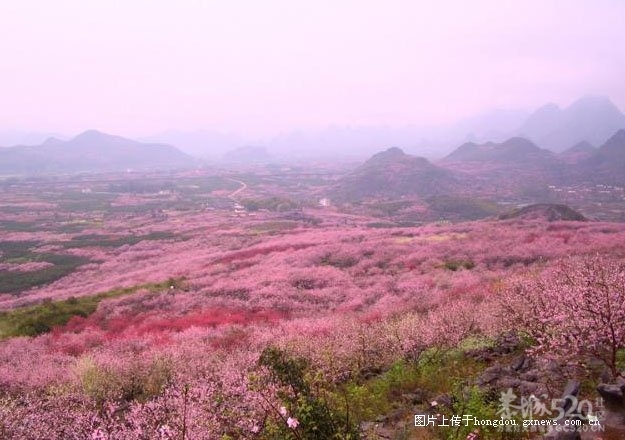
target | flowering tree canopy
[{"x": 575, "y": 310}]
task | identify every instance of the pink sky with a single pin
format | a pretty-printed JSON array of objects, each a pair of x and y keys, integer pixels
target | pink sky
[{"x": 139, "y": 67}]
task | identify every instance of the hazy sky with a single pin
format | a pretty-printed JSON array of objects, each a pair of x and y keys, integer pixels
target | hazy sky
[{"x": 260, "y": 67}]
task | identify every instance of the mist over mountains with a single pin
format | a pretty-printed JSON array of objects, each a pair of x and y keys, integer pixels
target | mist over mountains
[
  {"x": 572, "y": 131},
  {"x": 592, "y": 119},
  {"x": 607, "y": 164},
  {"x": 206, "y": 144},
  {"x": 13, "y": 137},
  {"x": 89, "y": 152}
]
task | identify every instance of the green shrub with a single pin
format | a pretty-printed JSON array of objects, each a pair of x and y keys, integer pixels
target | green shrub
[
  {"x": 375, "y": 397},
  {"x": 454, "y": 265},
  {"x": 137, "y": 381},
  {"x": 303, "y": 401}
]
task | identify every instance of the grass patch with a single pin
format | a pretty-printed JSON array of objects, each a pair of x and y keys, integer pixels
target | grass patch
[
  {"x": 14, "y": 226},
  {"x": 375, "y": 397},
  {"x": 79, "y": 202},
  {"x": 382, "y": 225},
  {"x": 388, "y": 225},
  {"x": 338, "y": 260},
  {"x": 140, "y": 381},
  {"x": 409, "y": 388},
  {"x": 439, "y": 372},
  {"x": 454, "y": 265},
  {"x": 274, "y": 226},
  {"x": 462, "y": 208},
  {"x": 97, "y": 240},
  {"x": 10, "y": 250},
  {"x": 73, "y": 227},
  {"x": 42, "y": 318},
  {"x": 434, "y": 374},
  {"x": 390, "y": 208},
  {"x": 437, "y": 238},
  {"x": 620, "y": 359},
  {"x": 476, "y": 342},
  {"x": 16, "y": 282},
  {"x": 274, "y": 204},
  {"x": 19, "y": 252}
]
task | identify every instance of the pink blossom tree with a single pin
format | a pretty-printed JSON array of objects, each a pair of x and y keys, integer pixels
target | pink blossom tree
[{"x": 574, "y": 310}]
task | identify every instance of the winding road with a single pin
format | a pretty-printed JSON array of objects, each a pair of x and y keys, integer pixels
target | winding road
[{"x": 233, "y": 194}]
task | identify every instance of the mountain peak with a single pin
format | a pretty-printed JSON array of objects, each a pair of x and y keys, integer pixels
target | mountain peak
[
  {"x": 389, "y": 155},
  {"x": 592, "y": 101},
  {"x": 592, "y": 107},
  {"x": 608, "y": 162},
  {"x": 52, "y": 141},
  {"x": 90, "y": 135},
  {"x": 591, "y": 118},
  {"x": 581, "y": 147},
  {"x": 392, "y": 151},
  {"x": 393, "y": 173},
  {"x": 616, "y": 141},
  {"x": 518, "y": 142},
  {"x": 548, "y": 108},
  {"x": 514, "y": 150},
  {"x": 579, "y": 152},
  {"x": 620, "y": 134}
]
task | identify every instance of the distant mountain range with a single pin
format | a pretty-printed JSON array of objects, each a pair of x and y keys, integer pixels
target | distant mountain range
[
  {"x": 610, "y": 157},
  {"x": 483, "y": 170},
  {"x": 607, "y": 163},
  {"x": 514, "y": 151},
  {"x": 544, "y": 211},
  {"x": 205, "y": 144},
  {"x": 248, "y": 155},
  {"x": 514, "y": 165},
  {"x": 578, "y": 152},
  {"x": 593, "y": 119},
  {"x": 91, "y": 151},
  {"x": 22, "y": 137}
]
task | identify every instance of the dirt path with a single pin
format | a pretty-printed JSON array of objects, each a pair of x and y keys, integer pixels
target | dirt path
[{"x": 238, "y": 190}]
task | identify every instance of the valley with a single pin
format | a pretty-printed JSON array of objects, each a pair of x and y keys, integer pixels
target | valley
[{"x": 152, "y": 301}]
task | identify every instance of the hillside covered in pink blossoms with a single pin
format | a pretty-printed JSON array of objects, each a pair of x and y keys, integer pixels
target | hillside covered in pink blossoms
[{"x": 134, "y": 309}]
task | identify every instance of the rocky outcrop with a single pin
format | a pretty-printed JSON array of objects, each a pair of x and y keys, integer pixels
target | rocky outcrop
[
  {"x": 564, "y": 430},
  {"x": 613, "y": 396}
]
